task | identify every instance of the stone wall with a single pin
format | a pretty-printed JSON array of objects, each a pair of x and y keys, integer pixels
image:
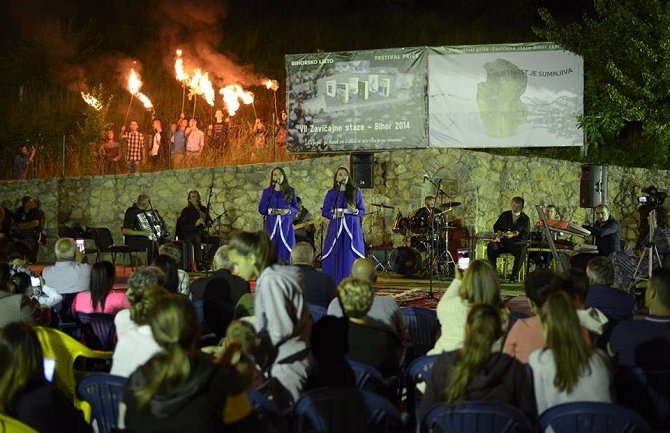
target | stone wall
[{"x": 484, "y": 183}]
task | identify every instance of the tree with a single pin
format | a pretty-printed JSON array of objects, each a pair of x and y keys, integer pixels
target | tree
[{"x": 626, "y": 50}]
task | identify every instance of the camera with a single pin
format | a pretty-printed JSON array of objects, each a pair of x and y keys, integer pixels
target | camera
[{"x": 654, "y": 197}]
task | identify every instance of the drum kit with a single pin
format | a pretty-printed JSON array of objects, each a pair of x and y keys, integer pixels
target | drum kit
[{"x": 426, "y": 241}]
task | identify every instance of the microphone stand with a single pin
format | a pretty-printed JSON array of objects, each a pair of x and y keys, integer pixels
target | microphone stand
[
  {"x": 431, "y": 219},
  {"x": 269, "y": 201},
  {"x": 340, "y": 197}
]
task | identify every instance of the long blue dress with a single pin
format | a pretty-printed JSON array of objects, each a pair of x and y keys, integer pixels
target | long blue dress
[
  {"x": 344, "y": 240},
  {"x": 279, "y": 227}
]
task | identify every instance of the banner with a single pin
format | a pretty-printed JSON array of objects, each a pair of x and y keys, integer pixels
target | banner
[
  {"x": 362, "y": 100},
  {"x": 515, "y": 95}
]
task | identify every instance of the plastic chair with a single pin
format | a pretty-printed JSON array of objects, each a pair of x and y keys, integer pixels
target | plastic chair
[
  {"x": 370, "y": 379},
  {"x": 12, "y": 425},
  {"x": 345, "y": 410},
  {"x": 317, "y": 312},
  {"x": 423, "y": 326},
  {"x": 592, "y": 417},
  {"x": 104, "y": 243},
  {"x": 417, "y": 372},
  {"x": 475, "y": 417},
  {"x": 98, "y": 330},
  {"x": 104, "y": 393},
  {"x": 65, "y": 350},
  {"x": 647, "y": 392}
]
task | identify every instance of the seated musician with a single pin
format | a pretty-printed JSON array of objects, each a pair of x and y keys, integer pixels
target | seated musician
[
  {"x": 195, "y": 222},
  {"x": 606, "y": 233},
  {"x": 512, "y": 234},
  {"x": 424, "y": 216},
  {"x": 137, "y": 236}
]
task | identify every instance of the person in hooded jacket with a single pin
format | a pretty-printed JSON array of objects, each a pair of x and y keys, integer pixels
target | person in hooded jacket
[
  {"x": 475, "y": 372},
  {"x": 181, "y": 389}
]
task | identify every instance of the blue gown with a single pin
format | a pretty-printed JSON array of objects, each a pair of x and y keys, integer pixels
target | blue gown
[
  {"x": 344, "y": 240},
  {"x": 279, "y": 227}
]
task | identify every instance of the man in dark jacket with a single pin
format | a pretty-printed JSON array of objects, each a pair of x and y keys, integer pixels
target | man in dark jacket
[{"x": 512, "y": 233}]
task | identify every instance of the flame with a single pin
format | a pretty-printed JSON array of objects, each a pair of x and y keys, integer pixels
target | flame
[
  {"x": 194, "y": 84},
  {"x": 233, "y": 94},
  {"x": 206, "y": 88},
  {"x": 144, "y": 100},
  {"x": 272, "y": 84},
  {"x": 92, "y": 101},
  {"x": 134, "y": 82},
  {"x": 179, "y": 68}
]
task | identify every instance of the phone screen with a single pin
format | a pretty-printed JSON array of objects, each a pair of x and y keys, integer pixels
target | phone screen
[
  {"x": 463, "y": 259},
  {"x": 49, "y": 368},
  {"x": 35, "y": 281},
  {"x": 80, "y": 245}
]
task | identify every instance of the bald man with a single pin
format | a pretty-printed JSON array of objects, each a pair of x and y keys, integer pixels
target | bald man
[
  {"x": 319, "y": 287},
  {"x": 384, "y": 312}
]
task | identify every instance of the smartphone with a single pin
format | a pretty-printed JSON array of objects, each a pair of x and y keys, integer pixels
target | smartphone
[
  {"x": 80, "y": 245},
  {"x": 49, "y": 368},
  {"x": 463, "y": 259}
]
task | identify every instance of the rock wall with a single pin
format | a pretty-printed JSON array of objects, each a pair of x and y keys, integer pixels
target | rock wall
[{"x": 483, "y": 183}]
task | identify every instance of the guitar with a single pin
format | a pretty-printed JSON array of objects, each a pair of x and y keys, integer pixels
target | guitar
[{"x": 308, "y": 223}]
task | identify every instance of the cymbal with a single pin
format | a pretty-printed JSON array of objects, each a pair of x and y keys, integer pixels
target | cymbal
[
  {"x": 382, "y": 205},
  {"x": 450, "y": 204}
]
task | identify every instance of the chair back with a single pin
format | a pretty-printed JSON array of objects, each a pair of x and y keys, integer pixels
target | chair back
[
  {"x": 647, "y": 392},
  {"x": 218, "y": 314},
  {"x": 592, "y": 417},
  {"x": 104, "y": 393},
  {"x": 345, "y": 410},
  {"x": 12, "y": 425},
  {"x": 102, "y": 236},
  {"x": 475, "y": 417},
  {"x": 417, "y": 372},
  {"x": 422, "y": 325},
  {"x": 98, "y": 330},
  {"x": 317, "y": 312}
]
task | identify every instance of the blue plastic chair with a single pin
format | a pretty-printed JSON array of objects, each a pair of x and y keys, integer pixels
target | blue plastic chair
[
  {"x": 592, "y": 417},
  {"x": 422, "y": 325},
  {"x": 344, "y": 410},
  {"x": 103, "y": 392},
  {"x": 98, "y": 330},
  {"x": 475, "y": 417},
  {"x": 417, "y": 372},
  {"x": 647, "y": 392},
  {"x": 317, "y": 311}
]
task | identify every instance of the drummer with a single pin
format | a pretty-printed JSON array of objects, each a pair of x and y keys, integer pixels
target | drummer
[{"x": 427, "y": 214}]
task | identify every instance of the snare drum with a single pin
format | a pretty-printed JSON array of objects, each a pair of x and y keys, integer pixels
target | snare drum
[{"x": 405, "y": 260}]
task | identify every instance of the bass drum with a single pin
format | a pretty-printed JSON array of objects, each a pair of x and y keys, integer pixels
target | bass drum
[{"x": 405, "y": 260}]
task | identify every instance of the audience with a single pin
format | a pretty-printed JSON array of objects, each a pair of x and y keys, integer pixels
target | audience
[
  {"x": 616, "y": 304},
  {"x": 329, "y": 350},
  {"x": 135, "y": 343},
  {"x": 477, "y": 371},
  {"x": 172, "y": 250},
  {"x": 371, "y": 345},
  {"x": 384, "y": 312},
  {"x": 169, "y": 267},
  {"x": 18, "y": 260},
  {"x": 646, "y": 342},
  {"x": 222, "y": 284},
  {"x": 480, "y": 285},
  {"x": 101, "y": 298},
  {"x": 567, "y": 369},
  {"x": 180, "y": 389},
  {"x": 319, "y": 288},
  {"x": 24, "y": 392},
  {"x": 15, "y": 303},
  {"x": 281, "y": 316},
  {"x": 68, "y": 275}
]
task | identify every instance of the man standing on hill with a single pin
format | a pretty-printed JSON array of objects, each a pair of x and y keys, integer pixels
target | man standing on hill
[
  {"x": 195, "y": 142},
  {"x": 134, "y": 147}
]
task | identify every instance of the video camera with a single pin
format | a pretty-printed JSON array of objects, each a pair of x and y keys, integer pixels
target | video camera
[{"x": 654, "y": 197}]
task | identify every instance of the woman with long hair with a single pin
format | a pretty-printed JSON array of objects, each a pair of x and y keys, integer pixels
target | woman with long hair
[
  {"x": 100, "y": 298},
  {"x": 24, "y": 392},
  {"x": 477, "y": 371},
  {"x": 169, "y": 266},
  {"x": 278, "y": 204},
  {"x": 567, "y": 369},
  {"x": 344, "y": 207},
  {"x": 179, "y": 389},
  {"x": 282, "y": 318},
  {"x": 478, "y": 285}
]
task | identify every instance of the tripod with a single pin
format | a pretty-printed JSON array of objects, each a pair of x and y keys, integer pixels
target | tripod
[{"x": 647, "y": 253}]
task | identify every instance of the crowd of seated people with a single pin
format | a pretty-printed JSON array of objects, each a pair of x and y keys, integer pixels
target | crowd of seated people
[{"x": 568, "y": 350}]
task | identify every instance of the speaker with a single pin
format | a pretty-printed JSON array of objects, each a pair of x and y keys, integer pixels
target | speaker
[
  {"x": 363, "y": 169},
  {"x": 592, "y": 186}
]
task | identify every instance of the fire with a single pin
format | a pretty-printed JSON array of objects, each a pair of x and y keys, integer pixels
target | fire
[
  {"x": 134, "y": 82},
  {"x": 206, "y": 89},
  {"x": 194, "y": 84},
  {"x": 179, "y": 68},
  {"x": 233, "y": 94},
  {"x": 144, "y": 100},
  {"x": 92, "y": 101},
  {"x": 272, "y": 84}
]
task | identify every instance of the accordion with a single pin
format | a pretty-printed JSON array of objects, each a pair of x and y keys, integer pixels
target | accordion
[{"x": 152, "y": 222}]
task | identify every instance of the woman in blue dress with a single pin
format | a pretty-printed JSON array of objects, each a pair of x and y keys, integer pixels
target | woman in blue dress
[
  {"x": 277, "y": 205},
  {"x": 343, "y": 206}
]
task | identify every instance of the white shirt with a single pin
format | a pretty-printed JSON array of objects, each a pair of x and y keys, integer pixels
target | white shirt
[
  {"x": 136, "y": 345},
  {"x": 68, "y": 277}
]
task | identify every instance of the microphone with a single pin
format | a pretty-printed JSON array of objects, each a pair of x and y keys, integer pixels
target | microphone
[
  {"x": 342, "y": 182},
  {"x": 211, "y": 186},
  {"x": 272, "y": 183}
]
